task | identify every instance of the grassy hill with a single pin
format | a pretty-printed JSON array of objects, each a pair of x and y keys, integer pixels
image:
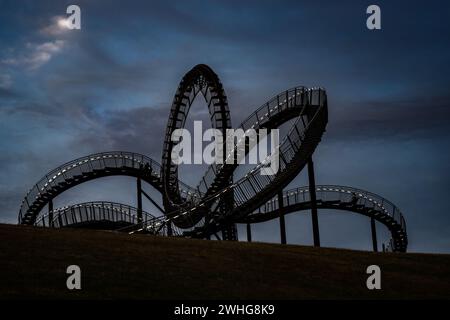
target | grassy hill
[{"x": 114, "y": 265}]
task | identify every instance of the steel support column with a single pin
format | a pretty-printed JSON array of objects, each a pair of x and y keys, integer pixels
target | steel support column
[
  {"x": 282, "y": 222},
  {"x": 139, "y": 199},
  {"x": 230, "y": 232},
  {"x": 374, "y": 234},
  {"x": 249, "y": 232},
  {"x": 169, "y": 228},
  {"x": 312, "y": 192},
  {"x": 50, "y": 213}
]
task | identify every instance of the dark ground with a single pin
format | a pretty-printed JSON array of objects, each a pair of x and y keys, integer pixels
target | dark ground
[{"x": 115, "y": 265}]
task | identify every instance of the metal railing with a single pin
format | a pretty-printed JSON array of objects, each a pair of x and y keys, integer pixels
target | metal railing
[
  {"x": 340, "y": 197},
  {"x": 303, "y": 136},
  {"x": 98, "y": 162},
  {"x": 336, "y": 193},
  {"x": 290, "y": 99},
  {"x": 93, "y": 211}
]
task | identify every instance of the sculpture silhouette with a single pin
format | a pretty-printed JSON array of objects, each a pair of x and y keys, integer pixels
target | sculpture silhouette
[{"x": 217, "y": 203}]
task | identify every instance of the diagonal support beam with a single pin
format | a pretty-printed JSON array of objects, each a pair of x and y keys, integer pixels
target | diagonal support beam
[{"x": 152, "y": 201}]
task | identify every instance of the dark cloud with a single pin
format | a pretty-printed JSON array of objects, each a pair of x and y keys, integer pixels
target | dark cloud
[
  {"x": 395, "y": 119},
  {"x": 138, "y": 130},
  {"x": 5, "y": 93}
]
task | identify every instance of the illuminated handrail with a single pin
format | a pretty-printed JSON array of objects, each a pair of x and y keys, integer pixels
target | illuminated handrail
[
  {"x": 93, "y": 211},
  {"x": 92, "y": 163},
  {"x": 347, "y": 198},
  {"x": 290, "y": 99}
]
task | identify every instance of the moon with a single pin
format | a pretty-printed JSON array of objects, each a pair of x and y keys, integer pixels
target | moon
[{"x": 63, "y": 23}]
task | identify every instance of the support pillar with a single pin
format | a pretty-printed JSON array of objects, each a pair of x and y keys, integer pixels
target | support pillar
[
  {"x": 50, "y": 213},
  {"x": 230, "y": 232},
  {"x": 169, "y": 228},
  {"x": 249, "y": 232},
  {"x": 312, "y": 192},
  {"x": 282, "y": 222},
  {"x": 139, "y": 199},
  {"x": 374, "y": 234}
]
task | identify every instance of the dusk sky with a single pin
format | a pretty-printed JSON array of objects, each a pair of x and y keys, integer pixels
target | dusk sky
[{"x": 109, "y": 86}]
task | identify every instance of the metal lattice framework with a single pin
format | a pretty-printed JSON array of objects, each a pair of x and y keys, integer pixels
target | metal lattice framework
[{"x": 217, "y": 203}]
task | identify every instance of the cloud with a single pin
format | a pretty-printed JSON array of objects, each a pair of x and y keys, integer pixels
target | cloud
[
  {"x": 57, "y": 27},
  {"x": 138, "y": 130},
  {"x": 36, "y": 54},
  {"x": 42, "y": 53},
  {"x": 5, "y": 81},
  {"x": 406, "y": 118},
  {"x": 6, "y": 84}
]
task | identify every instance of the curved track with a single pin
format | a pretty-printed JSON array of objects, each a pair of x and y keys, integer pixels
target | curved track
[
  {"x": 200, "y": 79},
  {"x": 97, "y": 214},
  {"x": 337, "y": 198},
  {"x": 73, "y": 173},
  {"x": 254, "y": 189},
  {"x": 217, "y": 201}
]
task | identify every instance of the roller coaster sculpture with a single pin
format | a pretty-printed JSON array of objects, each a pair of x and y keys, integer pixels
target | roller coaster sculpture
[{"x": 217, "y": 203}]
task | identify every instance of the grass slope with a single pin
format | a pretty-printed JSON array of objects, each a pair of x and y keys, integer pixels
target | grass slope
[{"x": 34, "y": 261}]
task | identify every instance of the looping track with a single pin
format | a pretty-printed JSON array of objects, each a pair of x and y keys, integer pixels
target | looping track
[{"x": 217, "y": 202}]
